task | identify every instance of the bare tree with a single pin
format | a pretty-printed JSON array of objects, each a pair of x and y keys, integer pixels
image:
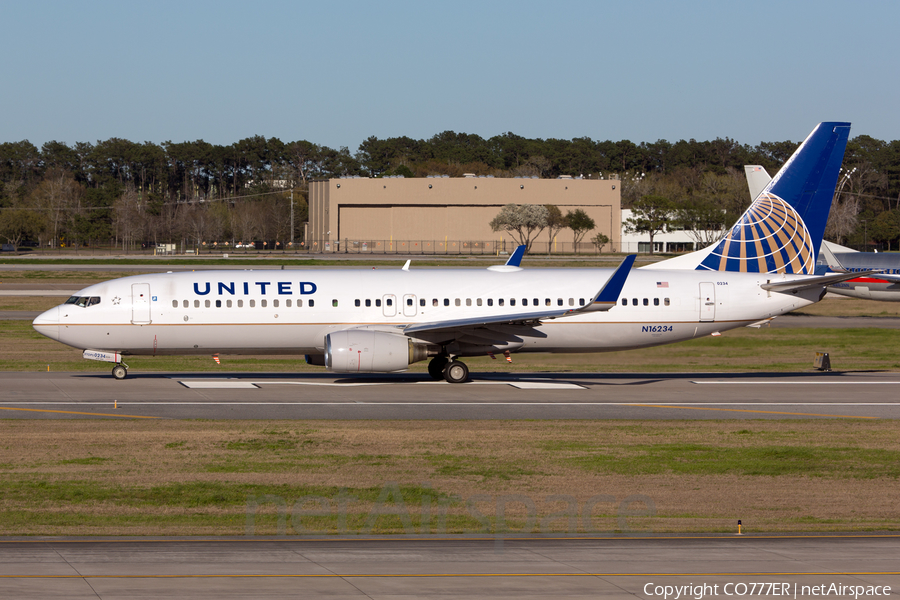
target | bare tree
[
  {"x": 843, "y": 219},
  {"x": 58, "y": 196}
]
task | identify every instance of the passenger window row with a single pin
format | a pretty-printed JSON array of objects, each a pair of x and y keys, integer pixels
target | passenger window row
[
  {"x": 436, "y": 302},
  {"x": 240, "y": 303},
  {"x": 646, "y": 302}
]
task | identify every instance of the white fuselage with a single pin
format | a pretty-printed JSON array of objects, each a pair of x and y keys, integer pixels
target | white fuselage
[{"x": 291, "y": 311}]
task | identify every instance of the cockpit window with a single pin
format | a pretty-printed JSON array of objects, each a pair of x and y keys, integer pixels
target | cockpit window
[{"x": 83, "y": 301}]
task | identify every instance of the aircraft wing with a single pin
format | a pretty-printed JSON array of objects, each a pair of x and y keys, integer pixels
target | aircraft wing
[
  {"x": 603, "y": 300},
  {"x": 797, "y": 285}
]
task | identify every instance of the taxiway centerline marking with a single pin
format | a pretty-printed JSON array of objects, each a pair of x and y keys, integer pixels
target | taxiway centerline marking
[
  {"x": 686, "y": 405},
  {"x": 69, "y": 412}
]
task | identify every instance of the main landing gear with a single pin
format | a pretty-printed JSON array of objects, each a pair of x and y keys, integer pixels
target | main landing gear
[
  {"x": 450, "y": 370},
  {"x": 120, "y": 371}
]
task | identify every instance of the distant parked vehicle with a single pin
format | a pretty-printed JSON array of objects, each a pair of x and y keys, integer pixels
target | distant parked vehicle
[{"x": 8, "y": 248}]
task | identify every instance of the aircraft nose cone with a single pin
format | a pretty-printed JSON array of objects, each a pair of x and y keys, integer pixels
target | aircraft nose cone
[{"x": 47, "y": 323}]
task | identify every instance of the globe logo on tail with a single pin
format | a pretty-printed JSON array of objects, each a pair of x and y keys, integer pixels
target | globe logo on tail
[{"x": 769, "y": 238}]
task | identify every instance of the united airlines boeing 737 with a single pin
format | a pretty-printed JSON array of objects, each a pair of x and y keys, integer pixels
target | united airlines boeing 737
[{"x": 384, "y": 320}]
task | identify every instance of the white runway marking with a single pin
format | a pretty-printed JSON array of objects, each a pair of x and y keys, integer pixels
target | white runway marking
[
  {"x": 777, "y": 382},
  {"x": 220, "y": 385},
  {"x": 227, "y": 384}
]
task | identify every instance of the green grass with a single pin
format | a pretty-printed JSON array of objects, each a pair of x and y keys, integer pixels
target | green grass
[{"x": 702, "y": 459}]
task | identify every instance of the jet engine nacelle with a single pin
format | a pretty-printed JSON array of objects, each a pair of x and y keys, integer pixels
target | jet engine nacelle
[{"x": 366, "y": 351}]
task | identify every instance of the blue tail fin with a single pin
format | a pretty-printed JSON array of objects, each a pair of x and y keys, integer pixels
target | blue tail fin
[{"x": 782, "y": 230}]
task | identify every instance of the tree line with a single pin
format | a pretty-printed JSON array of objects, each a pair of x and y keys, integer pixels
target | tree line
[{"x": 123, "y": 192}]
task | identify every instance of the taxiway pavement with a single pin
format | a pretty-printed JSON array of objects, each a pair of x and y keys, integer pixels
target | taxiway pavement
[
  {"x": 851, "y": 395},
  {"x": 724, "y": 566}
]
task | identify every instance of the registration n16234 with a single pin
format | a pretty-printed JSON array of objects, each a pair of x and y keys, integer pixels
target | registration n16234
[{"x": 657, "y": 328}]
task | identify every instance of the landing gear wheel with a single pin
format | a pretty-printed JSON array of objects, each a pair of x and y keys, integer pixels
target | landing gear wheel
[
  {"x": 436, "y": 367},
  {"x": 456, "y": 372},
  {"x": 119, "y": 372}
]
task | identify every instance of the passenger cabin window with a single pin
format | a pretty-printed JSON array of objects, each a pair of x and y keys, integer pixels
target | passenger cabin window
[
  {"x": 240, "y": 304},
  {"x": 368, "y": 302},
  {"x": 581, "y": 302},
  {"x": 355, "y": 302},
  {"x": 218, "y": 304},
  {"x": 421, "y": 301},
  {"x": 457, "y": 302},
  {"x": 253, "y": 304},
  {"x": 512, "y": 301},
  {"x": 228, "y": 303},
  {"x": 624, "y": 301},
  {"x": 389, "y": 302},
  {"x": 646, "y": 302},
  {"x": 312, "y": 302},
  {"x": 174, "y": 303},
  {"x": 196, "y": 304},
  {"x": 571, "y": 301},
  {"x": 490, "y": 301},
  {"x": 186, "y": 303},
  {"x": 500, "y": 302},
  {"x": 536, "y": 302},
  {"x": 299, "y": 303},
  {"x": 656, "y": 302},
  {"x": 378, "y": 302},
  {"x": 524, "y": 301},
  {"x": 468, "y": 302},
  {"x": 478, "y": 301},
  {"x": 263, "y": 303},
  {"x": 287, "y": 303},
  {"x": 446, "y": 301},
  {"x": 434, "y": 302},
  {"x": 207, "y": 304},
  {"x": 275, "y": 303},
  {"x": 409, "y": 301},
  {"x": 634, "y": 301},
  {"x": 547, "y": 302},
  {"x": 334, "y": 303},
  {"x": 666, "y": 301},
  {"x": 559, "y": 301}
]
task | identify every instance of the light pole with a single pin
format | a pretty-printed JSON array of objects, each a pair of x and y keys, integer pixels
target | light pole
[{"x": 292, "y": 217}]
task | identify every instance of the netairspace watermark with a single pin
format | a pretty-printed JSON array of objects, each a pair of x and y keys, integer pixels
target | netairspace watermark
[
  {"x": 763, "y": 590},
  {"x": 431, "y": 513}
]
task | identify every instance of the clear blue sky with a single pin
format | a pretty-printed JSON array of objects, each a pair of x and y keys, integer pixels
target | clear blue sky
[{"x": 337, "y": 72}]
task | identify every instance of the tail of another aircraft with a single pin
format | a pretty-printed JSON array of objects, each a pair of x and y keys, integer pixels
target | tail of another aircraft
[{"x": 782, "y": 230}]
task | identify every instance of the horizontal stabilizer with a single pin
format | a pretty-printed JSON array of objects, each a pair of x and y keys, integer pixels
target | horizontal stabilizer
[{"x": 809, "y": 283}]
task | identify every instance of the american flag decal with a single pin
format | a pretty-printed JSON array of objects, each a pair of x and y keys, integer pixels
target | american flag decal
[{"x": 662, "y": 284}]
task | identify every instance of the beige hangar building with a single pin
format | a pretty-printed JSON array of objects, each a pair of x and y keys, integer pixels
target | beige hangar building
[{"x": 444, "y": 215}]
